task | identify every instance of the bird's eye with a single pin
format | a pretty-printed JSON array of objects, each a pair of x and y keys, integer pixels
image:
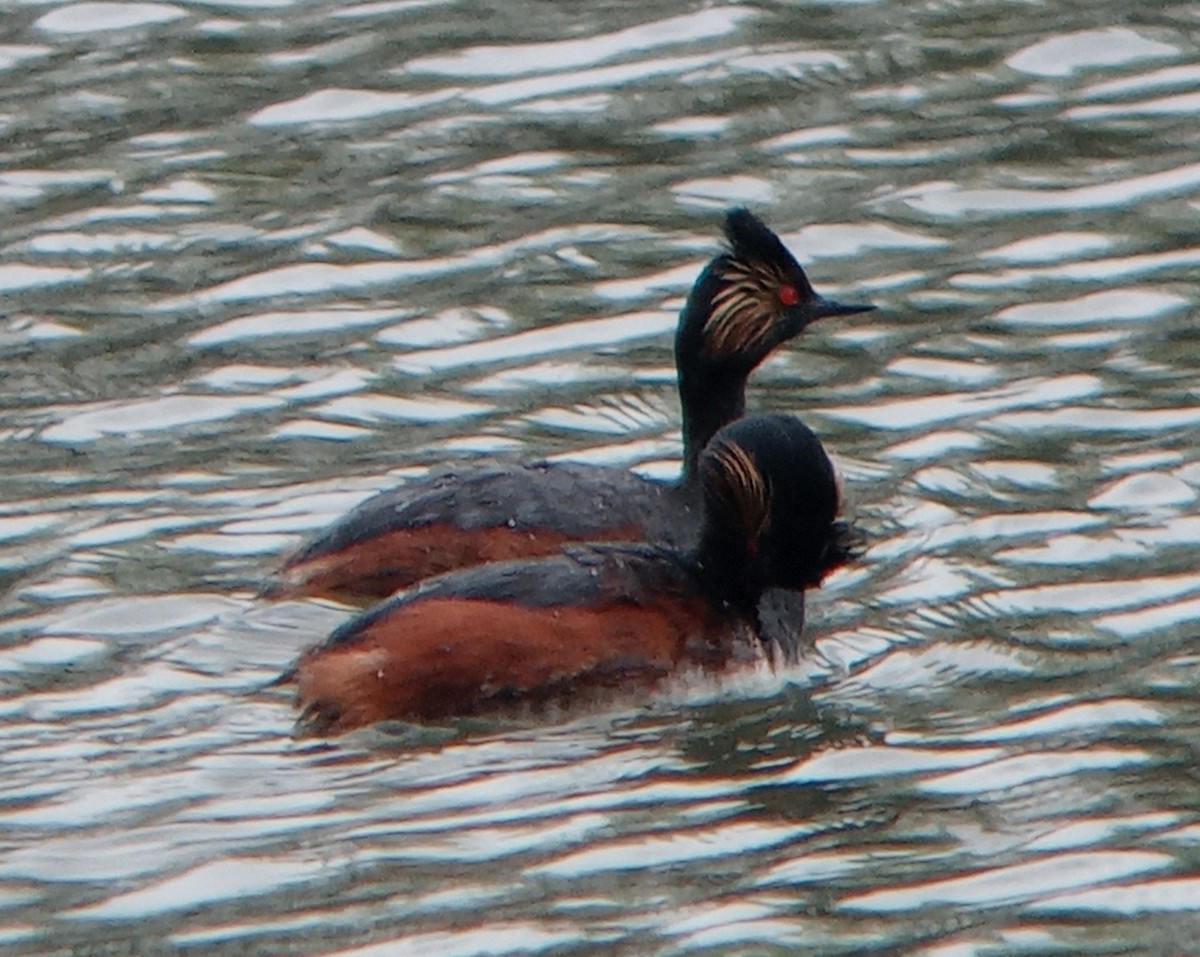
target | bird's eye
[{"x": 788, "y": 295}]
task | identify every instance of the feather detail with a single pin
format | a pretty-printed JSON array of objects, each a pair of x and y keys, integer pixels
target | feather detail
[
  {"x": 745, "y": 308},
  {"x": 732, "y": 478}
]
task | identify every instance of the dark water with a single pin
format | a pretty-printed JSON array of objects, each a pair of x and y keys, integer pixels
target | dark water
[{"x": 259, "y": 259}]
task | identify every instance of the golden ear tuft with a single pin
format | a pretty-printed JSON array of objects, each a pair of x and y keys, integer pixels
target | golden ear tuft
[
  {"x": 732, "y": 478},
  {"x": 744, "y": 308}
]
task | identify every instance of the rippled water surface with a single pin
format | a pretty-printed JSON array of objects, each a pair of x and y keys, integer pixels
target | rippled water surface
[{"x": 259, "y": 259}]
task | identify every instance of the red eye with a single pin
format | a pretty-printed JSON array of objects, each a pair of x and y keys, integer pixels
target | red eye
[{"x": 788, "y": 295}]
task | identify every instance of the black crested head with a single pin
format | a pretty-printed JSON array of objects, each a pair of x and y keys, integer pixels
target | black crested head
[
  {"x": 749, "y": 300},
  {"x": 752, "y": 244},
  {"x": 771, "y": 500}
]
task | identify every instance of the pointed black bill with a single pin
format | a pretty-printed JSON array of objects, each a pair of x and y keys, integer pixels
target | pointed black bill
[{"x": 820, "y": 307}]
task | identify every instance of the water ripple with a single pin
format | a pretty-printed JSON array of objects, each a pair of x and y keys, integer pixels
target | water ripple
[
  {"x": 523, "y": 59},
  {"x": 1020, "y": 882},
  {"x": 263, "y": 259}
]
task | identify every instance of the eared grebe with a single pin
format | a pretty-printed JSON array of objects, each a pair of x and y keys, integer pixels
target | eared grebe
[
  {"x": 594, "y": 617},
  {"x": 746, "y": 302}
]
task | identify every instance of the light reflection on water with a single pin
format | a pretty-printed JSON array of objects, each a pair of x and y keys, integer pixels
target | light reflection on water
[{"x": 262, "y": 260}]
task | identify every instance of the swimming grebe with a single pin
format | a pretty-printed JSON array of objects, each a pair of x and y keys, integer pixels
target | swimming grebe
[
  {"x": 746, "y": 302},
  {"x": 594, "y": 617}
]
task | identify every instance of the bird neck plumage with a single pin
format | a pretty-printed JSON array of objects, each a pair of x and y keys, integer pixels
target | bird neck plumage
[
  {"x": 728, "y": 573},
  {"x": 710, "y": 402},
  {"x": 712, "y": 387}
]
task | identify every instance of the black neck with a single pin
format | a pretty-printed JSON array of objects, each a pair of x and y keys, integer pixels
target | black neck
[
  {"x": 712, "y": 392},
  {"x": 729, "y": 573},
  {"x": 710, "y": 401}
]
